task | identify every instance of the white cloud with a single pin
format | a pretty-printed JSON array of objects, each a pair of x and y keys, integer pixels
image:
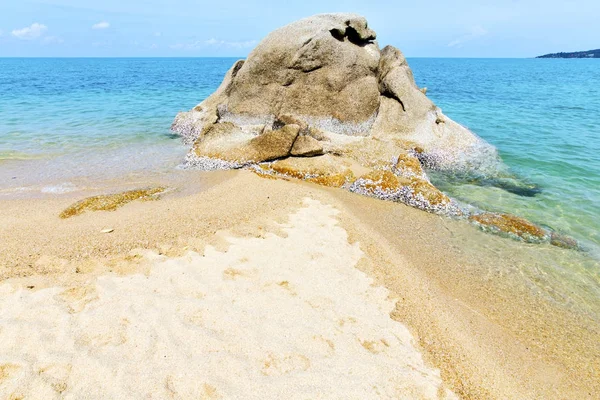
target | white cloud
[
  {"x": 101, "y": 25},
  {"x": 30, "y": 32},
  {"x": 238, "y": 45},
  {"x": 214, "y": 43},
  {"x": 52, "y": 40},
  {"x": 475, "y": 32},
  {"x": 157, "y": 34},
  {"x": 138, "y": 44}
]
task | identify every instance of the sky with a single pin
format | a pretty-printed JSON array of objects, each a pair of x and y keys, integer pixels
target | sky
[{"x": 217, "y": 28}]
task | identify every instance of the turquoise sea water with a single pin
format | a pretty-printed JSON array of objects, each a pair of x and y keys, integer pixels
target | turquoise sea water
[
  {"x": 66, "y": 118},
  {"x": 544, "y": 118},
  {"x": 61, "y": 119}
]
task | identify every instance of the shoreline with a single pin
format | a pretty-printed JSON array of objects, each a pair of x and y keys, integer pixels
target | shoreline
[{"x": 495, "y": 328}]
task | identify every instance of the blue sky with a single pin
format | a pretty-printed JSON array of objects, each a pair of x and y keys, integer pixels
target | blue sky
[{"x": 187, "y": 28}]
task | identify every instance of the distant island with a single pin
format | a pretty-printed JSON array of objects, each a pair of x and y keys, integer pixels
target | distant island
[{"x": 577, "y": 54}]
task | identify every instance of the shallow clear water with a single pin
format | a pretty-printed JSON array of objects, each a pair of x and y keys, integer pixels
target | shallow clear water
[
  {"x": 66, "y": 118},
  {"x": 543, "y": 116},
  {"x": 61, "y": 119}
]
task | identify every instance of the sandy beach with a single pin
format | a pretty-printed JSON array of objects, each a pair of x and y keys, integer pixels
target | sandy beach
[{"x": 284, "y": 290}]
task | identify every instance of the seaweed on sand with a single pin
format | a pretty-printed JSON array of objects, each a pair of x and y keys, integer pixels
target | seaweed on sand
[{"x": 110, "y": 202}]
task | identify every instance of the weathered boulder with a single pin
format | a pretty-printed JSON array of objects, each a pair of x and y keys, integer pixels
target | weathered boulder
[
  {"x": 327, "y": 75},
  {"x": 321, "y": 87},
  {"x": 273, "y": 144}
]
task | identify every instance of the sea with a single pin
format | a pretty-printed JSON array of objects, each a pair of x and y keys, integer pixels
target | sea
[{"x": 65, "y": 123}]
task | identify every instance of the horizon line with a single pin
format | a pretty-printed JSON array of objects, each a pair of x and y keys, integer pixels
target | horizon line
[{"x": 240, "y": 57}]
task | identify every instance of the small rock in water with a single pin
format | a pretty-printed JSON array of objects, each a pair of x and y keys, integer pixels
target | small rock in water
[
  {"x": 108, "y": 230},
  {"x": 510, "y": 225},
  {"x": 566, "y": 242}
]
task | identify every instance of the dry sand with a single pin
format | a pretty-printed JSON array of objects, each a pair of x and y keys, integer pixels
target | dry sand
[
  {"x": 275, "y": 317},
  {"x": 235, "y": 286}
]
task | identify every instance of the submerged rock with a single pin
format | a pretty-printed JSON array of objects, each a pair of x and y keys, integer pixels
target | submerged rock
[
  {"x": 510, "y": 225},
  {"x": 566, "y": 242},
  {"x": 522, "y": 229},
  {"x": 513, "y": 186}
]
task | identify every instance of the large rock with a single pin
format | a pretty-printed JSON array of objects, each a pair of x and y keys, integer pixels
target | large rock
[
  {"x": 328, "y": 72},
  {"x": 318, "y": 100},
  {"x": 321, "y": 87}
]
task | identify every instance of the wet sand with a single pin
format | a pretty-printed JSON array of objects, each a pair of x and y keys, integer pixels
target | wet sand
[{"x": 493, "y": 315}]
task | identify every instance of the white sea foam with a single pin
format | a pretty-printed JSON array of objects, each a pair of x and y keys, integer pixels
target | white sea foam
[{"x": 61, "y": 188}]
